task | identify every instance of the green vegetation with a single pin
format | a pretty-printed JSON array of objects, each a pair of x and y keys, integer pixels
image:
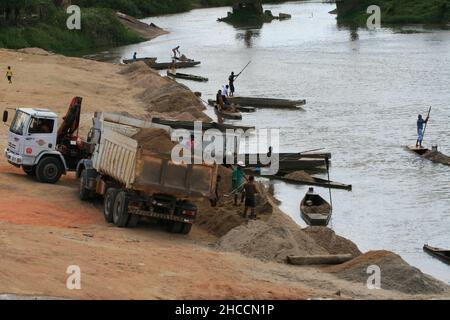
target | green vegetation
[
  {"x": 39, "y": 23},
  {"x": 42, "y": 23},
  {"x": 400, "y": 12}
]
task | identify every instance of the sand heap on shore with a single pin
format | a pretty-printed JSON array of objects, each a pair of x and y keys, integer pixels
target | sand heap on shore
[
  {"x": 163, "y": 96},
  {"x": 396, "y": 274},
  {"x": 272, "y": 237}
]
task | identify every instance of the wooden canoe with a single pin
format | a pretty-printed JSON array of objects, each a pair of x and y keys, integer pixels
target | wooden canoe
[
  {"x": 212, "y": 103},
  {"x": 316, "y": 214},
  {"x": 148, "y": 61},
  {"x": 187, "y": 76},
  {"x": 190, "y": 125},
  {"x": 432, "y": 155},
  {"x": 267, "y": 102},
  {"x": 317, "y": 182},
  {"x": 228, "y": 114},
  {"x": 441, "y": 254},
  {"x": 178, "y": 65},
  {"x": 291, "y": 165}
]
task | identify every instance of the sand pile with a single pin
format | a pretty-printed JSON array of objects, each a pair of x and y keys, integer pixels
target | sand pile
[
  {"x": 323, "y": 208},
  {"x": 437, "y": 157},
  {"x": 225, "y": 217},
  {"x": 155, "y": 140},
  {"x": 334, "y": 244},
  {"x": 274, "y": 239},
  {"x": 163, "y": 96},
  {"x": 396, "y": 274},
  {"x": 300, "y": 176}
]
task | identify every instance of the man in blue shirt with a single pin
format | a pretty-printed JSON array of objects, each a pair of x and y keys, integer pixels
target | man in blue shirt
[{"x": 420, "y": 127}]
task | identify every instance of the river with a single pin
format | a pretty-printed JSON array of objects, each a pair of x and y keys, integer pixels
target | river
[{"x": 364, "y": 90}]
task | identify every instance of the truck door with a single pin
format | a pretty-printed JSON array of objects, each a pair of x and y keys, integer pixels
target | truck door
[{"x": 41, "y": 136}]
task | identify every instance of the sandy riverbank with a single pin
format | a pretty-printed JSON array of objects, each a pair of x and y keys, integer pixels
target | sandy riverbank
[{"x": 45, "y": 228}]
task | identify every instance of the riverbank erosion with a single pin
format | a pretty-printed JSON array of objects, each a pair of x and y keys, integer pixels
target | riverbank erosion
[{"x": 44, "y": 229}]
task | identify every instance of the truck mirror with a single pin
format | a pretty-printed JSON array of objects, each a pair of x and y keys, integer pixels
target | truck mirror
[{"x": 5, "y": 116}]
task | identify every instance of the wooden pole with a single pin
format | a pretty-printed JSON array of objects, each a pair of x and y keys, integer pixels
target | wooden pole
[
  {"x": 329, "y": 184},
  {"x": 243, "y": 69},
  {"x": 425, "y": 128}
]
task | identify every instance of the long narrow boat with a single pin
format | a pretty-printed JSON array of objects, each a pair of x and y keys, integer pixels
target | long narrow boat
[
  {"x": 315, "y": 210},
  {"x": 148, "y": 61},
  {"x": 267, "y": 102},
  {"x": 240, "y": 108},
  {"x": 291, "y": 165},
  {"x": 228, "y": 114},
  {"x": 191, "y": 125},
  {"x": 433, "y": 155},
  {"x": 178, "y": 65},
  {"x": 187, "y": 76},
  {"x": 441, "y": 254},
  {"x": 318, "y": 182}
]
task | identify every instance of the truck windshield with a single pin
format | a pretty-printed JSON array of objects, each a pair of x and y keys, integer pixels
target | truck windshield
[{"x": 19, "y": 123}]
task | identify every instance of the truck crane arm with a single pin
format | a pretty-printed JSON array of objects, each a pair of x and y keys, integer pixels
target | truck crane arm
[{"x": 71, "y": 122}]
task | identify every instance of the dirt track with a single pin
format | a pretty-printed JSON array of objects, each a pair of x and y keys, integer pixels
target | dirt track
[{"x": 45, "y": 228}]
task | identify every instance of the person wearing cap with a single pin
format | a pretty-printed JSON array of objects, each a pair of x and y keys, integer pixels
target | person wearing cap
[{"x": 238, "y": 178}]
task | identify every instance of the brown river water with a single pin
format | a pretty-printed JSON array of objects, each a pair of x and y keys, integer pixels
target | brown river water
[{"x": 364, "y": 90}]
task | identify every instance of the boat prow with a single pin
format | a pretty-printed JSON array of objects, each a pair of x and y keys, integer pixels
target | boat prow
[
  {"x": 441, "y": 254},
  {"x": 418, "y": 150}
]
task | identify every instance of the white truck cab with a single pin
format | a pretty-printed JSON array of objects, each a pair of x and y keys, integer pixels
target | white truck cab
[
  {"x": 41, "y": 146},
  {"x": 32, "y": 144}
]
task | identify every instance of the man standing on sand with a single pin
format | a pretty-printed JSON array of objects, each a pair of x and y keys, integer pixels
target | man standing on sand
[
  {"x": 420, "y": 123},
  {"x": 237, "y": 181},
  {"x": 9, "y": 75},
  {"x": 250, "y": 199}
]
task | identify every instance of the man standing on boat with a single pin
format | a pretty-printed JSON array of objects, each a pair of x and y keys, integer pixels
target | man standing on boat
[
  {"x": 420, "y": 129},
  {"x": 231, "y": 79},
  {"x": 176, "y": 52},
  {"x": 225, "y": 93}
]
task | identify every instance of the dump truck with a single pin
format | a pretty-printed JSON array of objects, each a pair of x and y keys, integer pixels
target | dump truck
[{"x": 136, "y": 182}]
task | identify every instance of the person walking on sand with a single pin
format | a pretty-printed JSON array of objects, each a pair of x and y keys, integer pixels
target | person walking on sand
[
  {"x": 135, "y": 56},
  {"x": 250, "y": 198},
  {"x": 420, "y": 126},
  {"x": 237, "y": 181},
  {"x": 9, "y": 74}
]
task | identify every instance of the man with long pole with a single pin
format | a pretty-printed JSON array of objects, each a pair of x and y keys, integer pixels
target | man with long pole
[
  {"x": 421, "y": 127},
  {"x": 233, "y": 77}
]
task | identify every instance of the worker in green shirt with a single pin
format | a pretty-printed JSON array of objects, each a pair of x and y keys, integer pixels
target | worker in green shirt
[{"x": 238, "y": 181}]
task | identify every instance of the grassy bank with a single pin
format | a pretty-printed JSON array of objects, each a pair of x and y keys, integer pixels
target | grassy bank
[
  {"x": 39, "y": 23},
  {"x": 397, "y": 12},
  {"x": 99, "y": 29}
]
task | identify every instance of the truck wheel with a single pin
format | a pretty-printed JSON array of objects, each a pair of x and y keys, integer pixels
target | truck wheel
[
  {"x": 174, "y": 227},
  {"x": 29, "y": 170},
  {"x": 108, "y": 204},
  {"x": 84, "y": 193},
  {"x": 186, "y": 228},
  {"x": 120, "y": 213},
  {"x": 49, "y": 170},
  {"x": 133, "y": 222}
]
